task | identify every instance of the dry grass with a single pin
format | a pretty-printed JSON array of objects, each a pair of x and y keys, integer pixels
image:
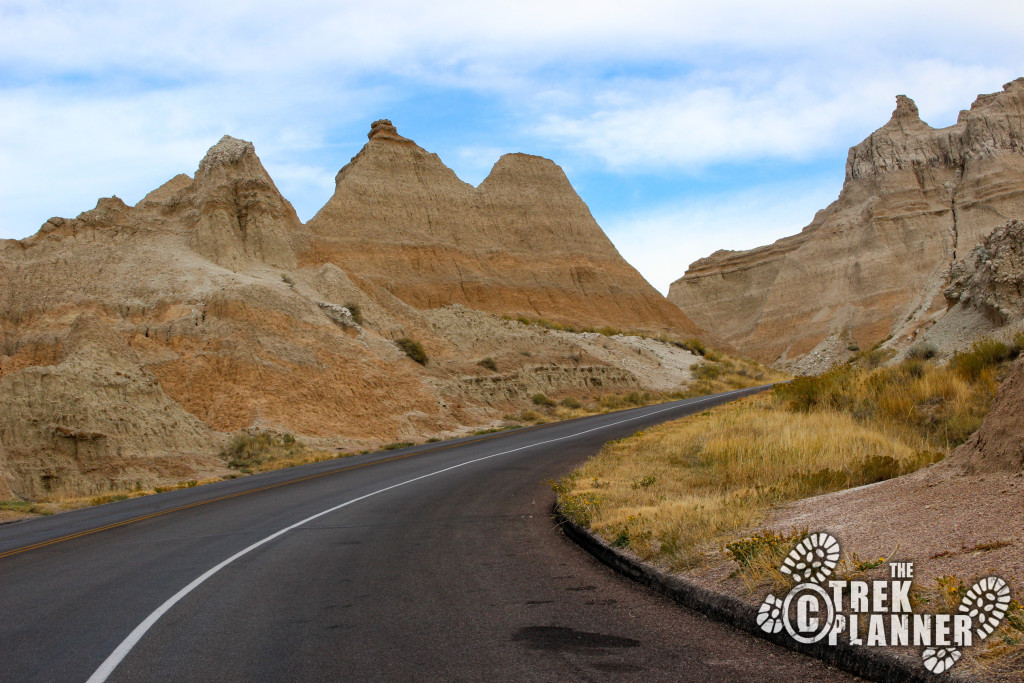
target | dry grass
[
  {"x": 668, "y": 491},
  {"x": 681, "y": 488},
  {"x": 727, "y": 373},
  {"x": 61, "y": 503},
  {"x": 915, "y": 399},
  {"x": 1000, "y": 657},
  {"x": 263, "y": 451}
]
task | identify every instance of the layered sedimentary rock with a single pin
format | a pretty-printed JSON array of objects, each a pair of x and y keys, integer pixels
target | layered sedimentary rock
[
  {"x": 985, "y": 295},
  {"x": 875, "y": 262},
  {"x": 523, "y": 242},
  {"x": 135, "y": 339}
]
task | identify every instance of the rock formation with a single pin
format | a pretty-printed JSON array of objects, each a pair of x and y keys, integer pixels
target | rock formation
[
  {"x": 997, "y": 445},
  {"x": 985, "y": 294},
  {"x": 523, "y": 242},
  {"x": 874, "y": 263},
  {"x": 135, "y": 339}
]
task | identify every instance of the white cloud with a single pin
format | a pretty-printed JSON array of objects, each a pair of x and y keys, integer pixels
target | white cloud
[
  {"x": 695, "y": 122},
  {"x": 661, "y": 243},
  {"x": 115, "y": 96}
]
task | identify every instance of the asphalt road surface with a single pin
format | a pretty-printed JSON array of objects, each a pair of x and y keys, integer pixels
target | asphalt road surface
[{"x": 437, "y": 562}]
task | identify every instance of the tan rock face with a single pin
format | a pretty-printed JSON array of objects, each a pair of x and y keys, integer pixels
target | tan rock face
[
  {"x": 95, "y": 417},
  {"x": 875, "y": 262},
  {"x": 523, "y": 242},
  {"x": 997, "y": 445},
  {"x": 134, "y": 339}
]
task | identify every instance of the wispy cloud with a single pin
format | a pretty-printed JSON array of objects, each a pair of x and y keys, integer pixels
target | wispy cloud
[
  {"x": 662, "y": 242},
  {"x": 116, "y": 96}
]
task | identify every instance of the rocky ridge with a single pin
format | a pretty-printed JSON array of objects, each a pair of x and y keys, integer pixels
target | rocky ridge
[
  {"x": 875, "y": 263},
  {"x": 135, "y": 339},
  {"x": 523, "y": 242}
]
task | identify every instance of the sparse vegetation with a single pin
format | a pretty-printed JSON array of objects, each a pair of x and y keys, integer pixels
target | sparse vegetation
[
  {"x": 542, "y": 400},
  {"x": 356, "y": 311},
  {"x": 923, "y": 351},
  {"x": 261, "y": 451},
  {"x": 693, "y": 346},
  {"x": 714, "y": 474},
  {"x": 983, "y": 355},
  {"x": 998, "y": 657},
  {"x": 398, "y": 444},
  {"x": 285, "y": 278},
  {"x": 25, "y": 506},
  {"x": 413, "y": 349},
  {"x": 488, "y": 363}
]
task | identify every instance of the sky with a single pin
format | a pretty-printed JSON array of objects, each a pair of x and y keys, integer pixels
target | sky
[{"x": 687, "y": 127}]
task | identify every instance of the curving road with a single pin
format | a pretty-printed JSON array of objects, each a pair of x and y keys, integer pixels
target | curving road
[{"x": 436, "y": 562}]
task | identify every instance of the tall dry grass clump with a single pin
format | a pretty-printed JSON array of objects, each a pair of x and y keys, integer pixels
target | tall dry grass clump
[
  {"x": 676, "y": 490},
  {"x": 669, "y": 490}
]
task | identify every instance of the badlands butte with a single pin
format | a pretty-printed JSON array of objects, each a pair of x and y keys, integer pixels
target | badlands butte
[
  {"x": 134, "y": 340},
  {"x": 888, "y": 261}
]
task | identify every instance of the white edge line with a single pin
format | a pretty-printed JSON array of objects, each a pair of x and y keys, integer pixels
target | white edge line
[{"x": 110, "y": 663}]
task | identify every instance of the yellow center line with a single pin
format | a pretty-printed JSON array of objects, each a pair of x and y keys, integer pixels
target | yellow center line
[{"x": 133, "y": 520}]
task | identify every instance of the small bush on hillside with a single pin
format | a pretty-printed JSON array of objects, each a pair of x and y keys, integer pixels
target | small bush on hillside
[
  {"x": 247, "y": 451},
  {"x": 706, "y": 371},
  {"x": 413, "y": 349},
  {"x": 830, "y": 390},
  {"x": 571, "y": 403},
  {"x": 923, "y": 351},
  {"x": 984, "y": 354},
  {"x": 357, "y": 313},
  {"x": 541, "y": 400},
  {"x": 1018, "y": 344},
  {"x": 745, "y": 550},
  {"x": 489, "y": 364},
  {"x": 693, "y": 346}
]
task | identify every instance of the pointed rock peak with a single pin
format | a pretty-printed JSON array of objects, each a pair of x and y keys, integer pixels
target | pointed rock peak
[
  {"x": 906, "y": 109},
  {"x": 168, "y": 189},
  {"x": 383, "y": 129},
  {"x": 114, "y": 203},
  {"x": 517, "y": 168},
  {"x": 228, "y": 151}
]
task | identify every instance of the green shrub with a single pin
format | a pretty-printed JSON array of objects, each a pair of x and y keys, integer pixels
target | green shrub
[
  {"x": 489, "y": 364},
  {"x": 706, "y": 371},
  {"x": 541, "y": 400},
  {"x": 398, "y": 444},
  {"x": 356, "y": 311},
  {"x": 1018, "y": 344},
  {"x": 830, "y": 390},
  {"x": 247, "y": 450},
  {"x": 693, "y": 346},
  {"x": 413, "y": 349},
  {"x": 984, "y": 354},
  {"x": 923, "y": 351},
  {"x": 571, "y": 403},
  {"x": 745, "y": 550},
  {"x": 645, "y": 482}
]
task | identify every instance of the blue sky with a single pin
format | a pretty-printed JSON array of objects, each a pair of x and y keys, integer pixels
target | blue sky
[{"x": 687, "y": 127}]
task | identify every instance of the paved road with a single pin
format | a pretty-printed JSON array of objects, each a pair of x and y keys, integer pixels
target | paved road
[{"x": 437, "y": 562}]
